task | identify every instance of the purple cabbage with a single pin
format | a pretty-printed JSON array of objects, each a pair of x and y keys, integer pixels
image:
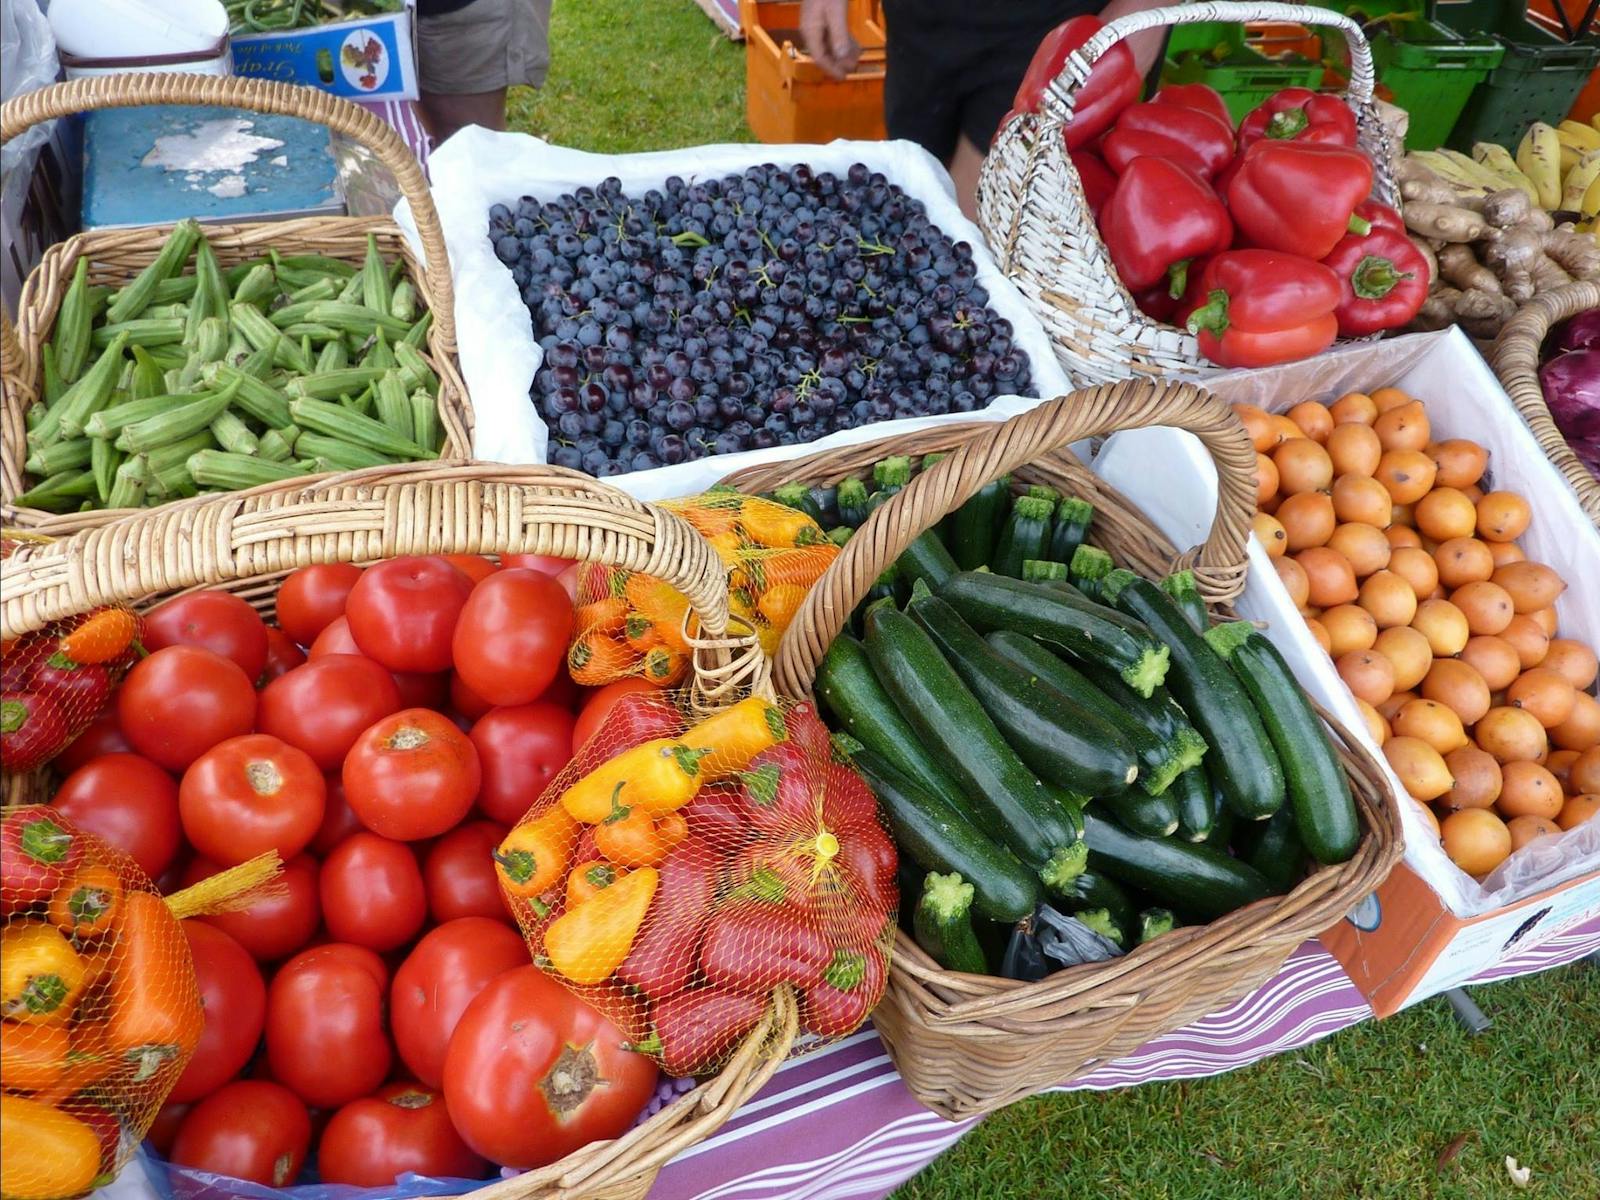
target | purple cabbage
[
  {"x": 1582, "y": 332},
  {"x": 1571, "y": 383}
]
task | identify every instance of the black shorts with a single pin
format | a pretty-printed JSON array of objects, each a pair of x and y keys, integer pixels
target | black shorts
[{"x": 953, "y": 66}]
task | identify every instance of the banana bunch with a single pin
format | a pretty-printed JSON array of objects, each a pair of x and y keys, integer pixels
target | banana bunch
[{"x": 1563, "y": 162}]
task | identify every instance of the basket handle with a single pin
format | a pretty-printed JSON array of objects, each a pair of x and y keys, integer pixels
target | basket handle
[
  {"x": 139, "y": 90},
  {"x": 1219, "y": 562},
  {"x": 1061, "y": 95}
]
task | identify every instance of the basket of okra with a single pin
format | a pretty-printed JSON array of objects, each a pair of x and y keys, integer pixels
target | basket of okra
[{"x": 155, "y": 363}]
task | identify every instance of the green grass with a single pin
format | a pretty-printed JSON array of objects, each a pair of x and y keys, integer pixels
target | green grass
[
  {"x": 1372, "y": 1112},
  {"x": 631, "y": 75}
]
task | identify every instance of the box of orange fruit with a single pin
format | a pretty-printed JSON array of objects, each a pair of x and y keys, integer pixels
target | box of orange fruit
[{"x": 1434, "y": 582}]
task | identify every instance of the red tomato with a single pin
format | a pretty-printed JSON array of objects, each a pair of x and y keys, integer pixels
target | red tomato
[
  {"x": 103, "y": 736},
  {"x": 335, "y": 638},
  {"x": 403, "y": 1127},
  {"x": 250, "y": 1130},
  {"x": 277, "y": 926},
  {"x": 564, "y": 692},
  {"x": 235, "y": 1001},
  {"x": 404, "y": 611},
  {"x": 313, "y": 597},
  {"x": 459, "y": 874},
  {"x": 466, "y": 701},
  {"x": 79, "y": 692},
  {"x": 130, "y": 803},
  {"x": 473, "y": 566},
  {"x": 249, "y": 795},
  {"x": 438, "y": 979},
  {"x": 544, "y": 564},
  {"x": 219, "y": 621},
  {"x": 339, "y": 820},
  {"x": 523, "y": 1042},
  {"x": 422, "y": 691},
  {"x": 599, "y": 705},
  {"x": 412, "y": 775},
  {"x": 181, "y": 701},
  {"x": 283, "y": 655},
  {"x": 325, "y": 1034},
  {"x": 633, "y": 720},
  {"x": 372, "y": 892},
  {"x": 322, "y": 707},
  {"x": 521, "y": 749},
  {"x": 163, "y": 1130},
  {"x": 512, "y": 636}
]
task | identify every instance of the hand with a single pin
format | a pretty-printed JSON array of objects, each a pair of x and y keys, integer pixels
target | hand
[{"x": 825, "y": 29}]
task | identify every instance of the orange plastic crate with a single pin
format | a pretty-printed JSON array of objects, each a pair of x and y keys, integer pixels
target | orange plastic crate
[{"x": 789, "y": 98}]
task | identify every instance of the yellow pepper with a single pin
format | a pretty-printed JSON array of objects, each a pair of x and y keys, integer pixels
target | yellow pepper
[
  {"x": 531, "y": 858},
  {"x": 780, "y": 602},
  {"x": 41, "y": 975},
  {"x": 590, "y": 941},
  {"x": 777, "y": 525},
  {"x": 658, "y": 777},
  {"x": 735, "y": 735}
]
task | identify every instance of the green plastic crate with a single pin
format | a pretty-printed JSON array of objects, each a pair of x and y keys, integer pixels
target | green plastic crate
[
  {"x": 1432, "y": 72},
  {"x": 1214, "y": 53}
]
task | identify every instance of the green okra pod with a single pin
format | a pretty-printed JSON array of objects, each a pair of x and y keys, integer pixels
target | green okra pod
[
  {"x": 169, "y": 260},
  {"x": 73, "y": 324}
]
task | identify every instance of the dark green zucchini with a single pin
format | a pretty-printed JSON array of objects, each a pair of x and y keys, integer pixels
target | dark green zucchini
[
  {"x": 975, "y": 525},
  {"x": 1241, "y": 760},
  {"x": 1074, "y": 516},
  {"x": 1159, "y": 713},
  {"x": 1153, "y": 922},
  {"x": 1223, "y": 822},
  {"x": 826, "y": 500},
  {"x": 1181, "y": 875},
  {"x": 926, "y": 558},
  {"x": 1274, "y": 848},
  {"x": 1082, "y": 628},
  {"x": 1087, "y": 567},
  {"x": 886, "y": 587},
  {"x": 942, "y": 924},
  {"x": 851, "y": 499},
  {"x": 1096, "y": 889},
  {"x": 1197, "y": 815},
  {"x": 1043, "y": 570},
  {"x": 1185, "y": 593}
]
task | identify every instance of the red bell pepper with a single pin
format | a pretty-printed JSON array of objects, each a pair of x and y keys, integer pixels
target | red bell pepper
[
  {"x": 1113, "y": 82},
  {"x": 1097, "y": 179},
  {"x": 1196, "y": 95},
  {"x": 693, "y": 1029},
  {"x": 1161, "y": 217},
  {"x": 850, "y": 987},
  {"x": 1299, "y": 198},
  {"x": 1186, "y": 135},
  {"x": 1381, "y": 216},
  {"x": 1298, "y": 114},
  {"x": 781, "y": 789},
  {"x": 763, "y": 935},
  {"x": 717, "y": 815},
  {"x": 1262, "y": 307},
  {"x": 1383, "y": 280},
  {"x": 663, "y": 955}
]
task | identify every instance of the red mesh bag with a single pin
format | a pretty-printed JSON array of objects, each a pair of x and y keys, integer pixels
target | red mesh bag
[{"x": 678, "y": 870}]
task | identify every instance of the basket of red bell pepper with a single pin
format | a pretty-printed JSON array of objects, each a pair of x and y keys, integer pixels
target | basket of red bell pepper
[{"x": 1157, "y": 237}]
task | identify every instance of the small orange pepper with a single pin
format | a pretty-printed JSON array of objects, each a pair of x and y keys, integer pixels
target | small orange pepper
[
  {"x": 531, "y": 858},
  {"x": 635, "y": 838},
  {"x": 601, "y": 616},
  {"x": 640, "y": 633},
  {"x": 590, "y": 877},
  {"x": 102, "y": 636},
  {"x": 86, "y": 905},
  {"x": 770, "y": 524},
  {"x": 665, "y": 666},
  {"x": 156, "y": 1015},
  {"x": 41, "y": 975},
  {"x": 596, "y": 660},
  {"x": 780, "y": 602}
]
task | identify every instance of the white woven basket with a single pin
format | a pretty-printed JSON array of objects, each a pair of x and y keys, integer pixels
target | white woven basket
[{"x": 1032, "y": 210}]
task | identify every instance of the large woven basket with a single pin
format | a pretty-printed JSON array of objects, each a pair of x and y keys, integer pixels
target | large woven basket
[
  {"x": 1515, "y": 359},
  {"x": 1032, "y": 210},
  {"x": 968, "y": 1044},
  {"x": 245, "y": 542},
  {"x": 117, "y": 255}
]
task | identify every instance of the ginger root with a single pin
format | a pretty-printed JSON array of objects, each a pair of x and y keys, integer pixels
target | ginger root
[
  {"x": 1447, "y": 222},
  {"x": 1458, "y": 265},
  {"x": 1436, "y": 191},
  {"x": 1483, "y": 313},
  {"x": 1507, "y": 207},
  {"x": 1576, "y": 253},
  {"x": 1438, "y": 310}
]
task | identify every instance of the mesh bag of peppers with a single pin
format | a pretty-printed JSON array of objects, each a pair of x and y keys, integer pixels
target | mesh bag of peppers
[
  {"x": 679, "y": 870},
  {"x": 632, "y": 625}
]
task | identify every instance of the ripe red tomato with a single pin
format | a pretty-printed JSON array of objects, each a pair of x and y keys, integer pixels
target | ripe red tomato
[
  {"x": 325, "y": 1034},
  {"x": 103, "y": 736},
  {"x": 77, "y": 690},
  {"x": 277, "y": 926},
  {"x": 512, "y": 636},
  {"x": 403, "y": 612},
  {"x": 459, "y": 874},
  {"x": 438, "y": 979},
  {"x": 411, "y": 775},
  {"x": 163, "y": 1130},
  {"x": 250, "y": 1130},
  {"x": 130, "y": 803},
  {"x": 235, "y": 1002},
  {"x": 219, "y": 621},
  {"x": 402, "y": 1127},
  {"x": 372, "y": 892},
  {"x": 533, "y": 1073},
  {"x": 418, "y": 690},
  {"x": 313, "y": 597},
  {"x": 544, "y": 564},
  {"x": 335, "y": 638},
  {"x": 322, "y": 707},
  {"x": 183, "y": 700},
  {"x": 521, "y": 749},
  {"x": 339, "y": 820},
  {"x": 466, "y": 701},
  {"x": 283, "y": 655},
  {"x": 473, "y": 566},
  {"x": 249, "y": 795},
  {"x": 600, "y": 703}
]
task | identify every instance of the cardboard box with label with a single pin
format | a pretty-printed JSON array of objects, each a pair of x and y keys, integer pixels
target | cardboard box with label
[{"x": 364, "y": 58}]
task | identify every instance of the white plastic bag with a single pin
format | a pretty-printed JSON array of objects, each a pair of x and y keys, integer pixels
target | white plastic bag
[
  {"x": 27, "y": 62},
  {"x": 477, "y": 168}
]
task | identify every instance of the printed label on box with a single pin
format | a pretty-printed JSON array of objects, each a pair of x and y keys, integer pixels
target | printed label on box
[{"x": 360, "y": 60}]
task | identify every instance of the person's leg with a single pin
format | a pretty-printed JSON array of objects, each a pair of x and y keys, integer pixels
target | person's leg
[
  {"x": 447, "y": 112},
  {"x": 468, "y": 58},
  {"x": 920, "y": 98},
  {"x": 965, "y": 163}
]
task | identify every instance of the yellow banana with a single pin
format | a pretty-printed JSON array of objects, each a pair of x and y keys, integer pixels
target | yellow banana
[
  {"x": 1578, "y": 135},
  {"x": 1569, "y": 157},
  {"x": 1473, "y": 171},
  {"x": 1496, "y": 158},
  {"x": 1595, "y": 121},
  {"x": 1539, "y": 158},
  {"x": 1589, "y": 206},
  {"x": 1578, "y": 182}
]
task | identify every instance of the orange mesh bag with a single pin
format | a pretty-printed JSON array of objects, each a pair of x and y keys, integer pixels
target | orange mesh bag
[
  {"x": 680, "y": 869},
  {"x": 629, "y": 624}
]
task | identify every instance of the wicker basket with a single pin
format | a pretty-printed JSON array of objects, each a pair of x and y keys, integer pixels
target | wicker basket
[
  {"x": 245, "y": 542},
  {"x": 117, "y": 255},
  {"x": 1515, "y": 359},
  {"x": 968, "y": 1044},
  {"x": 1032, "y": 210}
]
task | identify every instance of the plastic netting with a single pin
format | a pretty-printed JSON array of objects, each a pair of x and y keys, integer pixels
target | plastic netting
[
  {"x": 630, "y": 624},
  {"x": 100, "y": 1006},
  {"x": 678, "y": 870}
]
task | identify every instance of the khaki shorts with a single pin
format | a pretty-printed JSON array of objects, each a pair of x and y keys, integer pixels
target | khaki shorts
[{"x": 484, "y": 47}]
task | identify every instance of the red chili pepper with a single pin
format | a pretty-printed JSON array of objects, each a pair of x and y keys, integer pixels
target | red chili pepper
[
  {"x": 764, "y": 935},
  {"x": 851, "y": 985},
  {"x": 1299, "y": 198},
  {"x": 663, "y": 955},
  {"x": 716, "y": 814},
  {"x": 1300, "y": 115},
  {"x": 635, "y": 720},
  {"x": 692, "y": 1029},
  {"x": 1262, "y": 307},
  {"x": 780, "y": 790},
  {"x": 1113, "y": 83},
  {"x": 1195, "y": 95},
  {"x": 1161, "y": 217},
  {"x": 33, "y": 730},
  {"x": 1381, "y": 216},
  {"x": 1097, "y": 179},
  {"x": 1384, "y": 281},
  {"x": 1186, "y": 135}
]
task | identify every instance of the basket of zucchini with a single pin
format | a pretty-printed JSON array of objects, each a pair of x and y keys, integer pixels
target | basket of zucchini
[
  {"x": 155, "y": 363},
  {"x": 1116, "y": 809}
]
